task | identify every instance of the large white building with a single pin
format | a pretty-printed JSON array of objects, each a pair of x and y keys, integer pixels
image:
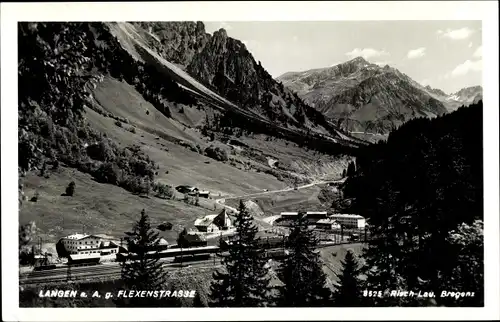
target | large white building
[
  {"x": 349, "y": 220},
  {"x": 80, "y": 244}
]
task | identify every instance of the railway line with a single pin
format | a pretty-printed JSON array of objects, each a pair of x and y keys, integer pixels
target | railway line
[
  {"x": 100, "y": 271},
  {"x": 113, "y": 269}
]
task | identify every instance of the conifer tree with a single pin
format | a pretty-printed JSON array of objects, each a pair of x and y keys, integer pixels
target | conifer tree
[
  {"x": 301, "y": 272},
  {"x": 181, "y": 240},
  {"x": 143, "y": 272},
  {"x": 245, "y": 282},
  {"x": 349, "y": 291},
  {"x": 197, "y": 302}
]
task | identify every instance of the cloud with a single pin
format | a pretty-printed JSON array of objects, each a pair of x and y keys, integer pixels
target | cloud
[
  {"x": 465, "y": 68},
  {"x": 416, "y": 53},
  {"x": 456, "y": 34},
  {"x": 470, "y": 45},
  {"x": 479, "y": 52},
  {"x": 225, "y": 25},
  {"x": 366, "y": 53}
]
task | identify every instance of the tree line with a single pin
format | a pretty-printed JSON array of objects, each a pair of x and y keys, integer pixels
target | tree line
[{"x": 422, "y": 193}]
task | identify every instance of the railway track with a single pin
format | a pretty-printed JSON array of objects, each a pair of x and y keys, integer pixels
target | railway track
[{"x": 99, "y": 271}]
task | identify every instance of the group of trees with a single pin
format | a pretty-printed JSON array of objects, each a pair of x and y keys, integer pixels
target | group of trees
[
  {"x": 422, "y": 192},
  {"x": 144, "y": 272},
  {"x": 156, "y": 87},
  {"x": 246, "y": 280},
  {"x": 56, "y": 63},
  {"x": 350, "y": 171}
]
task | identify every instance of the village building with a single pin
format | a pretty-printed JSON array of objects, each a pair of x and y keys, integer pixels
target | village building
[
  {"x": 194, "y": 240},
  {"x": 78, "y": 244},
  {"x": 162, "y": 244},
  {"x": 349, "y": 220},
  {"x": 327, "y": 224},
  {"x": 86, "y": 245},
  {"x": 289, "y": 215},
  {"x": 214, "y": 223},
  {"x": 108, "y": 247}
]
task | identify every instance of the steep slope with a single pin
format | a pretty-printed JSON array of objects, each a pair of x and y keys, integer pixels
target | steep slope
[
  {"x": 261, "y": 104},
  {"x": 360, "y": 96},
  {"x": 174, "y": 41},
  {"x": 466, "y": 96}
]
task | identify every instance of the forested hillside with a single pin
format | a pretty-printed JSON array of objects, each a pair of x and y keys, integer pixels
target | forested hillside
[{"x": 422, "y": 192}]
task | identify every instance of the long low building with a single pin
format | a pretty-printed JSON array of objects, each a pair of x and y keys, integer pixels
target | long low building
[
  {"x": 81, "y": 244},
  {"x": 350, "y": 220},
  {"x": 323, "y": 217}
]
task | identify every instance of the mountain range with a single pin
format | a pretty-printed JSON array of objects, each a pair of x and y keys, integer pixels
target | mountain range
[
  {"x": 220, "y": 66},
  {"x": 359, "y": 96}
]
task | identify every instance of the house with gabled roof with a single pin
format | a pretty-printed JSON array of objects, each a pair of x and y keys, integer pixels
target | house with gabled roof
[{"x": 214, "y": 223}]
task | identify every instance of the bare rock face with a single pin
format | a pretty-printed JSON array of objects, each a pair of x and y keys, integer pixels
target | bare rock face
[
  {"x": 226, "y": 66},
  {"x": 361, "y": 96},
  {"x": 176, "y": 41}
]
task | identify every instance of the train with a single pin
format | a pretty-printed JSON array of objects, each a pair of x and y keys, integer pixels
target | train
[
  {"x": 191, "y": 258},
  {"x": 173, "y": 252},
  {"x": 44, "y": 267}
]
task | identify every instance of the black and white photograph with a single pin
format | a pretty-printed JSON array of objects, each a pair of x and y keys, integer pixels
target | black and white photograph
[{"x": 252, "y": 163}]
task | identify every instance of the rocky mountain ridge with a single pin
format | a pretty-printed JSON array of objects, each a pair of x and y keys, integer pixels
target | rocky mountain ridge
[{"x": 365, "y": 97}]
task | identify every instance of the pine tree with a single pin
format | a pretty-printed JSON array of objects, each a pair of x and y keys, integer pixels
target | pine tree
[
  {"x": 245, "y": 282},
  {"x": 143, "y": 273},
  {"x": 197, "y": 302},
  {"x": 181, "y": 241},
  {"x": 349, "y": 291},
  {"x": 301, "y": 272}
]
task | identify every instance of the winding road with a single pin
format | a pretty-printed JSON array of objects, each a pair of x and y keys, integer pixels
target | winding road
[{"x": 221, "y": 201}]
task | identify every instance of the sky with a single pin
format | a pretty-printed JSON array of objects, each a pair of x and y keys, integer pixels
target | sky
[{"x": 443, "y": 54}]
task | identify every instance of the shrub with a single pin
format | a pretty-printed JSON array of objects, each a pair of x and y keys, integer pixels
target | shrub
[
  {"x": 70, "y": 189},
  {"x": 217, "y": 153},
  {"x": 118, "y": 123},
  {"x": 108, "y": 173},
  {"x": 101, "y": 151},
  {"x": 35, "y": 197}
]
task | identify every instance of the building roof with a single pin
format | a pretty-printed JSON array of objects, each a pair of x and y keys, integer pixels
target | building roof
[
  {"x": 77, "y": 236},
  {"x": 84, "y": 256},
  {"x": 108, "y": 244},
  {"x": 348, "y": 216},
  {"x": 162, "y": 242},
  {"x": 205, "y": 221},
  {"x": 327, "y": 221},
  {"x": 219, "y": 220},
  {"x": 316, "y": 213},
  {"x": 289, "y": 213},
  {"x": 192, "y": 238}
]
